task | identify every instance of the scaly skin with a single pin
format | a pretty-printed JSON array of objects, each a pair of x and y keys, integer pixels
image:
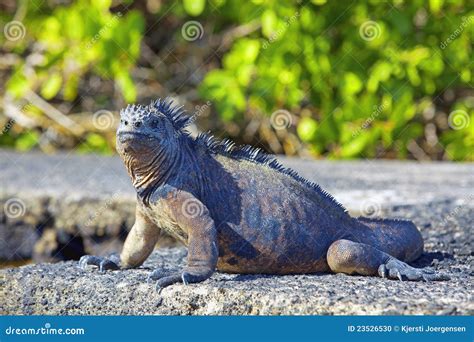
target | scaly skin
[{"x": 238, "y": 210}]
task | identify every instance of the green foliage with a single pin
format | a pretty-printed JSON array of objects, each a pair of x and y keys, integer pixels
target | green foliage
[
  {"x": 194, "y": 7},
  {"x": 349, "y": 63},
  {"x": 94, "y": 143},
  {"x": 26, "y": 141},
  {"x": 84, "y": 37},
  {"x": 362, "y": 79}
]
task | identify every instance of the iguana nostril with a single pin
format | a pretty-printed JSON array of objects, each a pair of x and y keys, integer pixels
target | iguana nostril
[{"x": 125, "y": 122}]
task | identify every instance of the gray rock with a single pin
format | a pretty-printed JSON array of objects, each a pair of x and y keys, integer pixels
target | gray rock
[
  {"x": 75, "y": 204},
  {"x": 64, "y": 289}
]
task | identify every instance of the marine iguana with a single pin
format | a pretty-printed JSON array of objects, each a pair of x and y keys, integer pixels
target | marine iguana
[{"x": 238, "y": 210}]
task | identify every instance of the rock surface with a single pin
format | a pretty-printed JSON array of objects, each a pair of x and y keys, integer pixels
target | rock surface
[
  {"x": 73, "y": 196},
  {"x": 64, "y": 289}
]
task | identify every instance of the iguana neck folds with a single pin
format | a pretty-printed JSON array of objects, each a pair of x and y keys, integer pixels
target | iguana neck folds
[{"x": 159, "y": 166}]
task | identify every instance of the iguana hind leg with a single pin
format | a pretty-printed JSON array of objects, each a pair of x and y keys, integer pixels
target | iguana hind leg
[{"x": 345, "y": 256}]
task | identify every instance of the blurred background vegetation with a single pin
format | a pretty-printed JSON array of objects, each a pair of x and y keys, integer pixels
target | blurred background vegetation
[{"x": 338, "y": 79}]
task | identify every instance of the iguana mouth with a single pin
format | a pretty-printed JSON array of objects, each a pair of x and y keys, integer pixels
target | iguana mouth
[{"x": 127, "y": 136}]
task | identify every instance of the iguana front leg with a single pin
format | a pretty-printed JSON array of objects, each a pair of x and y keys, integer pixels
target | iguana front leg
[
  {"x": 137, "y": 247},
  {"x": 193, "y": 217},
  {"x": 345, "y": 256}
]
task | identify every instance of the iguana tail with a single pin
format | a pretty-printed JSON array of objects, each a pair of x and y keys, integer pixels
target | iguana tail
[{"x": 399, "y": 238}]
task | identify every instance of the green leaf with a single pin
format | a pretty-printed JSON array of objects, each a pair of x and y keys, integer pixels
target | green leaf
[
  {"x": 70, "y": 87},
  {"x": 223, "y": 89},
  {"x": 413, "y": 75},
  {"x": 27, "y": 141},
  {"x": 127, "y": 86},
  {"x": 416, "y": 55},
  {"x": 194, "y": 7},
  {"x": 380, "y": 73},
  {"x": 351, "y": 84},
  {"x": 355, "y": 146},
  {"x": 94, "y": 143},
  {"x": 102, "y": 5},
  {"x": 307, "y": 128},
  {"x": 436, "y": 5},
  {"x": 269, "y": 22},
  {"x": 51, "y": 86},
  {"x": 17, "y": 84}
]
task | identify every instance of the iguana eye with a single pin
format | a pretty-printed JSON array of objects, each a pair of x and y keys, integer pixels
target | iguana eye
[{"x": 137, "y": 124}]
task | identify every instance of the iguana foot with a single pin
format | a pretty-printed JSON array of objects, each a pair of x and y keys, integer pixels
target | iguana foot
[
  {"x": 358, "y": 258},
  {"x": 164, "y": 279},
  {"x": 110, "y": 263},
  {"x": 396, "y": 269}
]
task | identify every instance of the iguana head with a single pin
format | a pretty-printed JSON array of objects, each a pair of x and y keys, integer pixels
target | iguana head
[
  {"x": 143, "y": 128},
  {"x": 148, "y": 140}
]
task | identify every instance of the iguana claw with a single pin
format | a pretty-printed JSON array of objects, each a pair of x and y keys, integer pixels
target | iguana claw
[
  {"x": 163, "y": 279},
  {"x": 396, "y": 269},
  {"x": 155, "y": 275},
  {"x": 103, "y": 263}
]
